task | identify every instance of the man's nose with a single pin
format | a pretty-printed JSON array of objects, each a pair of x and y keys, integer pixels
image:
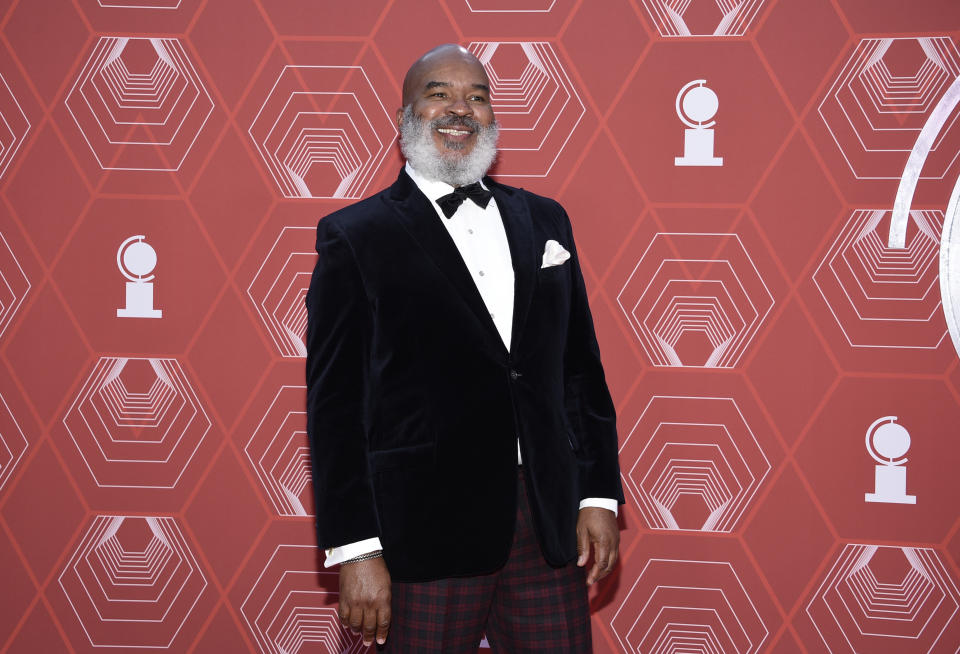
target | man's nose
[{"x": 460, "y": 107}]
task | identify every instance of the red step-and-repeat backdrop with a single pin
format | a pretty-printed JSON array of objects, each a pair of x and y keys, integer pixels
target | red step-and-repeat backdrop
[{"x": 761, "y": 193}]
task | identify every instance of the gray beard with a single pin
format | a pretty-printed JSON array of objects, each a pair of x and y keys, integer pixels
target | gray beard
[{"x": 453, "y": 168}]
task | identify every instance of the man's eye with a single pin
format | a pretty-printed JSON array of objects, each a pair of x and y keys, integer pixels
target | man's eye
[{"x": 438, "y": 94}]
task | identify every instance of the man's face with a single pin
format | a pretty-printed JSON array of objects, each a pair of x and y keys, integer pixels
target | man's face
[{"x": 452, "y": 94}]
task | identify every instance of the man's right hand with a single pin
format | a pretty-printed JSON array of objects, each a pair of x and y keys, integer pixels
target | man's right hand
[{"x": 365, "y": 599}]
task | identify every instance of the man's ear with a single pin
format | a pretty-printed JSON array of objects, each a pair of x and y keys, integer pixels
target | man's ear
[{"x": 399, "y": 117}]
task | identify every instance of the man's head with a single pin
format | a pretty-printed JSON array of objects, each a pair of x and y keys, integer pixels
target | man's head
[{"x": 447, "y": 128}]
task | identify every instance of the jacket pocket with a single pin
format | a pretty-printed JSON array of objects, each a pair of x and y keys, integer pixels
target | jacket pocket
[
  {"x": 553, "y": 273},
  {"x": 415, "y": 456}
]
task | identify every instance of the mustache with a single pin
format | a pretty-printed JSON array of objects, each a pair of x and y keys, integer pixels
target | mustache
[{"x": 456, "y": 121}]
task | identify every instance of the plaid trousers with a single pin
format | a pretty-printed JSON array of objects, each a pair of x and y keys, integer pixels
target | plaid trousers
[{"x": 526, "y": 606}]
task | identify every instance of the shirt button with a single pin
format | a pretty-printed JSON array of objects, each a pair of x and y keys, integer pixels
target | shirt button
[
  {"x": 469, "y": 231},
  {"x": 481, "y": 273}
]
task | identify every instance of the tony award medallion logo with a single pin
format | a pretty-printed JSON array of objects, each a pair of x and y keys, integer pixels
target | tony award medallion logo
[
  {"x": 136, "y": 260},
  {"x": 696, "y": 105},
  {"x": 886, "y": 442}
]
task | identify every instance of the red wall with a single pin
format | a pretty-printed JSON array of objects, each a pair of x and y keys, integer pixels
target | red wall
[{"x": 754, "y": 320}]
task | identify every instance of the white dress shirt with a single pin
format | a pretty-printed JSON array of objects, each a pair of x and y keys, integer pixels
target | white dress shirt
[{"x": 482, "y": 242}]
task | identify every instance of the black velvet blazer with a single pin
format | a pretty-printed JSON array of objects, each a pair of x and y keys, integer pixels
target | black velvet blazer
[{"x": 414, "y": 405}]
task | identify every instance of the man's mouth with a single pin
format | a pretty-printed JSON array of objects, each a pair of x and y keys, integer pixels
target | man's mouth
[{"x": 451, "y": 131}]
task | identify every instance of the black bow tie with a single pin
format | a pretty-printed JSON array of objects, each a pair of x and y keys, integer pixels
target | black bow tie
[{"x": 450, "y": 202}]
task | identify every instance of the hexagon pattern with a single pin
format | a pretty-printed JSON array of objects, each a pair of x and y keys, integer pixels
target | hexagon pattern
[
  {"x": 13, "y": 443},
  {"x": 880, "y": 296},
  {"x": 279, "y": 289},
  {"x": 132, "y": 581},
  {"x": 775, "y": 326},
  {"x": 139, "y": 103},
  {"x": 711, "y": 612},
  {"x": 702, "y": 284},
  {"x": 15, "y": 126},
  {"x": 880, "y": 100},
  {"x": 702, "y": 17},
  {"x": 137, "y": 423},
  {"x": 323, "y": 131},
  {"x": 287, "y": 610},
  {"x": 874, "y": 595},
  {"x": 686, "y": 447},
  {"x": 14, "y": 284},
  {"x": 279, "y": 453}
]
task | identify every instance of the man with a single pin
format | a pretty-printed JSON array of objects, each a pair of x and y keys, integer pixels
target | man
[{"x": 448, "y": 340}]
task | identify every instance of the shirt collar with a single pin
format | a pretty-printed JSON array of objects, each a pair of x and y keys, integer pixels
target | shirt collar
[{"x": 431, "y": 188}]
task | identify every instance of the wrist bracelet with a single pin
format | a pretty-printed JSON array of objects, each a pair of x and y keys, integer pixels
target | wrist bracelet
[{"x": 365, "y": 557}]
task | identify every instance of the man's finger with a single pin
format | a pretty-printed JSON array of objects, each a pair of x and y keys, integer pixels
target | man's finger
[
  {"x": 614, "y": 555},
  {"x": 583, "y": 547},
  {"x": 344, "y": 614},
  {"x": 601, "y": 558},
  {"x": 383, "y": 624},
  {"x": 594, "y": 573},
  {"x": 369, "y": 626},
  {"x": 356, "y": 619},
  {"x": 610, "y": 558}
]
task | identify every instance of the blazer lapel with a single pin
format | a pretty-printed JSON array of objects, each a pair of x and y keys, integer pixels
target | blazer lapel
[
  {"x": 519, "y": 227},
  {"x": 420, "y": 219}
]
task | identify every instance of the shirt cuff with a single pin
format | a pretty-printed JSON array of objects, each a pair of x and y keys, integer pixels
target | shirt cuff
[
  {"x": 343, "y": 553},
  {"x": 600, "y": 502}
]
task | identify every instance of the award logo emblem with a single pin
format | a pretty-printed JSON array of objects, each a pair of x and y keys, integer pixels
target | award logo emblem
[
  {"x": 136, "y": 260},
  {"x": 886, "y": 441},
  {"x": 697, "y": 104}
]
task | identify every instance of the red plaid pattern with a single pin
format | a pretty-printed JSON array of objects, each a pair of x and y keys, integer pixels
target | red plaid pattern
[{"x": 527, "y": 606}]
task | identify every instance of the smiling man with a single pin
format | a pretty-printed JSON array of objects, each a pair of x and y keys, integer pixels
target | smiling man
[{"x": 462, "y": 436}]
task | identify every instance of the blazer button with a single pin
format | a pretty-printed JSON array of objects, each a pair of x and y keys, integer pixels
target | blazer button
[{"x": 514, "y": 375}]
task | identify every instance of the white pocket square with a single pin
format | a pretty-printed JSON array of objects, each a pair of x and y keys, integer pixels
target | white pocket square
[{"x": 554, "y": 254}]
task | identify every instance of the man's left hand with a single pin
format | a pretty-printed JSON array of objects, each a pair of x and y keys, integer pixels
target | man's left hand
[{"x": 598, "y": 527}]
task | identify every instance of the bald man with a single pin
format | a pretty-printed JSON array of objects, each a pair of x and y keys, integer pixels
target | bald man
[{"x": 463, "y": 439}]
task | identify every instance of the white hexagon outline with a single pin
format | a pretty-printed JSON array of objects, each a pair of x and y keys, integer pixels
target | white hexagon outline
[
  {"x": 510, "y": 11},
  {"x": 842, "y": 243},
  {"x": 746, "y": 595},
  {"x": 7, "y": 154},
  {"x": 275, "y": 164},
  {"x": 275, "y": 490},
  {"x": 104, "y": 524},
  {"x": 98, "y": 372},
  {"x": 265, "y": 643},
  {"x": 7, "y": 312},
  {"x": 748, "y": 491},
  {"x": 850, "y": 70},
  {"x": 119, "y": 4},
  {"x": 856, "y": 555},
  {"x": 288, "y": 347},
  {"x": 669, "y": 22},
  {"x": 7, "y": 470},
  {"x": 727, "y": 358},
  {"x": 185, "y": 69}
]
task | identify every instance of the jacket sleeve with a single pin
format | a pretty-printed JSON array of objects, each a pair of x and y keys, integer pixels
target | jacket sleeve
[
  {"x": 586, "y": 397},
  {"x": 338, "y": 334}
]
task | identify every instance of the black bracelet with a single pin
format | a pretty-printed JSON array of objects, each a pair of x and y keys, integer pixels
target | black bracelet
[{"x": 366, "y": 557}]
